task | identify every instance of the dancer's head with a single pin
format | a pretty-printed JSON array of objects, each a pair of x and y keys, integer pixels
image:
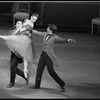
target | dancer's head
[
  {"x": 52, "y": 28},
  {"x": 34, "y": 17},
  {"x": 18, "y": 24}
]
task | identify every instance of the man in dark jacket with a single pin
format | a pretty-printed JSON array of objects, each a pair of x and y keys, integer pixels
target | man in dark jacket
[{"x": 47, "y": 57}]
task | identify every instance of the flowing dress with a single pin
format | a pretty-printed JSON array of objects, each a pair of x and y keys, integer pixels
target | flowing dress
[{"x": 20, "y": 45}]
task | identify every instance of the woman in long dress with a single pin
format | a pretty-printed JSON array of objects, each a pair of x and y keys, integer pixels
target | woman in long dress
[{"x": 19, "y": 42}]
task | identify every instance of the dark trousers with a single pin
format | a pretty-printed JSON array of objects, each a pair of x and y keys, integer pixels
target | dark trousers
[
  {"x": 45, "y": 60},
  {"x": 14, "y": 61}
]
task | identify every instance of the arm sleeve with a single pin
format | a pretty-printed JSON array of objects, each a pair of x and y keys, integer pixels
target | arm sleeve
[
  {"x": 60, "y": 40},
  {"x": 38, "y": 33}
]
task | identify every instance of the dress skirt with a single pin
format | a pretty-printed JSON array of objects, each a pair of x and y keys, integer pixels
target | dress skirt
[{"x": 21, "y": 46}]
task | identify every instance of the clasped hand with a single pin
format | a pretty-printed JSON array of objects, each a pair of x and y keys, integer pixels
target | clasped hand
[{"x": 72, "y": 41}]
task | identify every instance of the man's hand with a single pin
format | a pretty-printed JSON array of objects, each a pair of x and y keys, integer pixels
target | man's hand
[{"x": 71, "y": 40}]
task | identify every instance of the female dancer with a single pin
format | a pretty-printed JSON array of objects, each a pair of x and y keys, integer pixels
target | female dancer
[{"x": 20, "y": 42}]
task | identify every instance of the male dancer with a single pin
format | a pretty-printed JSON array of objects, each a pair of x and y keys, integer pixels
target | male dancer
[{"x": 47, "y": 56}]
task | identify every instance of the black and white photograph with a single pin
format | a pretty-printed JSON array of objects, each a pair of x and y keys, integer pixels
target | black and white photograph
[{"x": 50, "y": 49}]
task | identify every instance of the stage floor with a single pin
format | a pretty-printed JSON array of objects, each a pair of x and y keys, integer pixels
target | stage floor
[{"x": 80, "y": 69}]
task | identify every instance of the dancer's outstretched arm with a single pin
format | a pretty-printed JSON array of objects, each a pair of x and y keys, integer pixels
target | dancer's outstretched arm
[
  {"x": 38, "y": 33},
  {"x": 63, "y": 40}
]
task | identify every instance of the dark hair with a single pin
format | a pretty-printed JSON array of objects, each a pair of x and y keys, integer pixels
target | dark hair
[
  {"x": 35, "y": 14},
  {"x": 52, "y": 27}
]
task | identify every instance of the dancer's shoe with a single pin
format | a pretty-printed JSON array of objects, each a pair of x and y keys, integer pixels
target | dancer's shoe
[
  {"x": 63, "y": 88},
  {"x": 10, "y": 85},
  {"x": 27, "y": 79}
]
